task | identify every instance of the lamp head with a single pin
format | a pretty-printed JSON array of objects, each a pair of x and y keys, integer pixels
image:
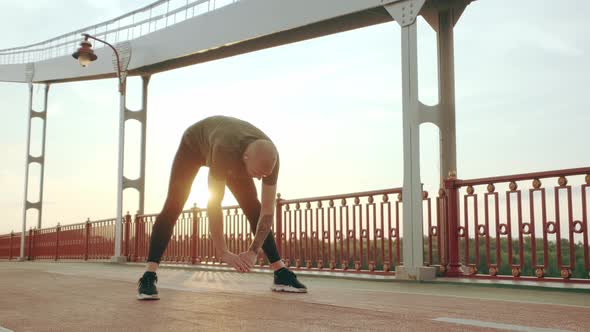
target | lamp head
[{"x": 85, "y": 54}]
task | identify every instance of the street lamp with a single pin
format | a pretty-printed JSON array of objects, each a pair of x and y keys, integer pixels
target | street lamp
[{"x": 85, "y": 55}]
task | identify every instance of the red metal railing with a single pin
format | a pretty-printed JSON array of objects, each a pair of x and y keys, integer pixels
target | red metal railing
[
  {"x": 89, "y": 240},
  {"x": 9, "y": 246},
  {"x": 369, "y": 240},
  {"x": 436, "y": 230},
  {"x": 483, "y": 228},
  {"x": 101, "y": 239},
  {"x": 70, "y": 244},
  {"x": 351, "y": 232},
  {"x": 191, "y": 241},
  {"x": 498, "y": 229},
  {"x": 181, "y": 246}
]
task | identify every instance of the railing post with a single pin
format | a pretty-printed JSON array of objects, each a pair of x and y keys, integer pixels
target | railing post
[
  {"x": 194, "y": 235},
  {"x": 452, "y": 238},
  {"x": 127, "y": 230},
  {"x": 443, "y": 230},
  {"x": 144, "y": 244},
  {"x": 136, "y": 242},
  {"x": 57, "y": 229},
  {"x": 31, "y": 244},
  {"x": 87, "y": 239},
  {"x": 585, "y": 224},
  {"x": 10, "y": 246},
  {"x": 279, "y": 224}
]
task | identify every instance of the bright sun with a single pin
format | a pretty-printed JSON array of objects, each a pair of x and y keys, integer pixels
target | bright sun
[
  {"x": 200, "y": 196},
  {"x": 199, "y": 192}
]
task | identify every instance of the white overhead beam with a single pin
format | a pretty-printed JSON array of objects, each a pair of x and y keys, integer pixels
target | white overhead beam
[{"x": 251, "y": 20}]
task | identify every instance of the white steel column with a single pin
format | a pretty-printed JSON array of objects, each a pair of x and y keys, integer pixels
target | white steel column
[
  {"x": 43, "y": 116},
  {"x": 446, "y": 92},
  {"x": 30, "y": 69},
  {"x": 121, "y": 161},
  {"x": 442, "y": 17},
  {"x": 405, "y": 14},
  {"x": 124, "y": 56},
  {"x": 124, "y": 182},
  {"x": 140, "y": 116},
  {"x": 144, "y": 99},
  {"x": 412, "y": 191},
  {"x": 27, "y": 165}
]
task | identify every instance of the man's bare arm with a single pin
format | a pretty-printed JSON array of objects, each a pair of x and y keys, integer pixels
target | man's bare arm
[
  {"x": 216, "y": 190},
  {"x": 266, "y": 216}
]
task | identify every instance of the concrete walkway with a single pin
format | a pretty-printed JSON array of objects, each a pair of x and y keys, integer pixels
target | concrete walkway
[{"x": 65, "y": 296}]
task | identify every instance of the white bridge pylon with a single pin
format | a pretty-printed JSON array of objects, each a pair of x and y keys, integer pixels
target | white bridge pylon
[{"x": 170, "y": 34}]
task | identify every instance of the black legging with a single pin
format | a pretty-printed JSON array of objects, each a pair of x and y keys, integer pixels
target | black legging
[{"x": 184, "y": 169}]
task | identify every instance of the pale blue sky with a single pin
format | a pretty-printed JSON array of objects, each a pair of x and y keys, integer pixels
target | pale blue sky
[{"x": 332, "y": 105}]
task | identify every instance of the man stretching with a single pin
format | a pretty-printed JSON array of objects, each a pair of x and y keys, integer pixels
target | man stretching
[{"x": 235, "y": 152}]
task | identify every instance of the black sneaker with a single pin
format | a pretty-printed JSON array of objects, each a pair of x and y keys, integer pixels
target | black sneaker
[
  {"x": 286, "y": 281},
  {"x": 146, "y": 287}
]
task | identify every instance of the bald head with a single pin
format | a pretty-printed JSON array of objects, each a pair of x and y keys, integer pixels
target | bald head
[{"x": 260, "y": 158}]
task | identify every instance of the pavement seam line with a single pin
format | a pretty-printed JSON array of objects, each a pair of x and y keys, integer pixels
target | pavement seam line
[
  {"x": 493, "y": 325},
  {"x": 469, "y": 297}
]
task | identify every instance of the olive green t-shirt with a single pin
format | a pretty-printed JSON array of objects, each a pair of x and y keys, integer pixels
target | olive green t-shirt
[{"x": 221, "y": 141}]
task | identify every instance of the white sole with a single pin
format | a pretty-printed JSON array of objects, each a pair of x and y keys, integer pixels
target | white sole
[
  {"x": 147, "y": 297},
  {"x": 287, "y": 289}
]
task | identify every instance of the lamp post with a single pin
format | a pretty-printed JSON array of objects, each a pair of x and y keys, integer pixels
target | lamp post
[{"x": 85, "y": 55}]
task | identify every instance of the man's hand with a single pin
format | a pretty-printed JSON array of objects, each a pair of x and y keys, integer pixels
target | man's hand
[
  {"x": 248, "y": 257},
  {"x": 235, "y": 261}
]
